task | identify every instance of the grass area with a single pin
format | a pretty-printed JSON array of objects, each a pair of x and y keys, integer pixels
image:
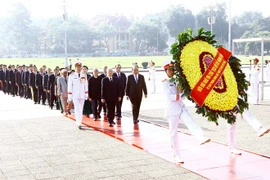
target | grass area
[
  {"x": 99, "y": 62},
  {"x": 91, "y": 62}
]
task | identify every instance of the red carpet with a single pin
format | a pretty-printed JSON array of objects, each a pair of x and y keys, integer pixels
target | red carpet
[{"x": 212, "y": 160}]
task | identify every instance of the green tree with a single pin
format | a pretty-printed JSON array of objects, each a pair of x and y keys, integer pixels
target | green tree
[
  {"x": 18, "y": 28},
  {"x": 104, "y": 33},
  {"x": 247, "y": 18},
  {"x": 220, "y": 28},
  {"x": 79, "y": 35},
  {"x": 149, "y": 33},
  {"x": 177, "y": 19}
]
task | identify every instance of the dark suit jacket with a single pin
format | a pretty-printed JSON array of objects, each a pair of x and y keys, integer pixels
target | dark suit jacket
[
  {"x": 18, "y": 78},
  {"x": 102, "y": 76},
  {"x": 51, "y": 83},
  {"x": 134, "y": 90},
  {"x": 45, "y": 81},
  {"x": 1, "y": 75},
  {"x": 39, "y": 78},
  {"x": 110, "y": 89},
  {"x": 22, "y": 77},
  {"x": 32, "y": 79},
  {"x": 26, "y": 77},
  {"x": 12, "y": 76},
  {"x": 123, "y": 82},
  {"x": 94, "y": 88},
  {"x": 7, "y": 76}
]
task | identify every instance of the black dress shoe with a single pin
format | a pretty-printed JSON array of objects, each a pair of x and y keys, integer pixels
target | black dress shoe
[
  {"x": 113, "y": 122},
  {"x": 136, "y": 121},
  {"x": 111, "y": 125}
]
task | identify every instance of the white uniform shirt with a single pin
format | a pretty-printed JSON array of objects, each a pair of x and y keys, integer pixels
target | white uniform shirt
[
  {"x": 173, "y": 107},
  {"x": 268, "y": 71},
  {"x": 77, "y": 86},
  {"x": 152, "y": 72},
  {"x": 255, "y": 71}
]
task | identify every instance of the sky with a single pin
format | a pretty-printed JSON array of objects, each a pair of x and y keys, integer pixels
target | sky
[{"x": 138, "y": 8}]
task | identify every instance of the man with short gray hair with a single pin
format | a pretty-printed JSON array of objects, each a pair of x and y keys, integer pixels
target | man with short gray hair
[{"x": 62, "y": 87}]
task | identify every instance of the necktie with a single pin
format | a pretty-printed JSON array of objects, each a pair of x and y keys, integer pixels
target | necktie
[
  {"x": 79, "y": 75},
  {"x": 118, "y": 75},
  {"x": 136, "y": 79},
  {"x": 110, "y": 79},
  {"x": 66, "y": 80}
]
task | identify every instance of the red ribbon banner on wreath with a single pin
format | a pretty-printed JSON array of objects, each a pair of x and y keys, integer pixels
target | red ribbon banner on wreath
[{"x": 212, "y": 74}]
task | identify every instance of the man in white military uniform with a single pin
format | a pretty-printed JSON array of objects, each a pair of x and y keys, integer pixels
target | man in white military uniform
[
  {"x": 253, "y": 122},
  {"x": 254, "y": 82},
  {"x": 268, "y": 72},
  {"x": 78, "y": 91},
  {"x": 175, "y": 109},
  {"x": 152, "y": 76}
]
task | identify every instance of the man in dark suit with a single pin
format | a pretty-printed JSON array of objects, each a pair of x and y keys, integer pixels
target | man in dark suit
[
  {"x": 123, "y": 81},
  {"x": 8, "y": 79},
  {"x": 39, "y": 86},
  {"x": 135, "y": 88},
  {"x": 18, "y": 81},
  {"x": 22, "y": 80},
  {"x": 1, "y": 78},
  {"x": 110, "y": 94},
  {"x": 45, "y": 84},
  {"x": 32, "y": 85},
  {"x": 94, "y": 93},
  {"x": 51, "y": 89},
  {"x": 27, "y": 92},
  {"x": 12, "y": 80},
  {"x": 103, "y": 105}
]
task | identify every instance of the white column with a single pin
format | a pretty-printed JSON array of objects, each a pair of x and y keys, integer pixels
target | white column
[
  {"x": 230, "y": 26},
  {"x": 262, "y": 54}
]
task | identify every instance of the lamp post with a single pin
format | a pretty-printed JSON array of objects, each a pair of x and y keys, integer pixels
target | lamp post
[
  {"x": 157, "y": 43},
  {"x": 212, "y": 18},
  {"x": 230, "y": 27},
  {"x": 65, "y": 24}
]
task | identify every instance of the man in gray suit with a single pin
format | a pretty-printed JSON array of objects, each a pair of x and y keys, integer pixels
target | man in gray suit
[{"x": 62, "y": 86}]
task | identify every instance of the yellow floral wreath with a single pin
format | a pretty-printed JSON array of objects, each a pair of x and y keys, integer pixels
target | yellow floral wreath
[{"x": 190, "y": 63}]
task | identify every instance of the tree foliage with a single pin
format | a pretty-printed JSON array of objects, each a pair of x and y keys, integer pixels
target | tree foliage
[
  {"x": 149, "y": 33},
  {"x": 177, "y": 19}
]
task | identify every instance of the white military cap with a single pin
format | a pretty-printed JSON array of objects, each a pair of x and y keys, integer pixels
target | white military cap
[{"x": 168, "y": 63}]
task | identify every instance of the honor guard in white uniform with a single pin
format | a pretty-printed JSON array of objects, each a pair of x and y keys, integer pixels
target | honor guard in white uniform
[
  {"x": 175, "y": 109},
  {"x": 152, "y": 76},
  {"x": 252, "y": 121},
  {"x": 268, "y": 72},
  {"x": 78, "y": 91},
  {"x": 254, "y": 82}
]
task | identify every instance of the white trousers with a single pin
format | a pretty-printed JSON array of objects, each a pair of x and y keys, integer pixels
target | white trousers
[
  {"x": 78, "y": 108},
  {"x": 189, "y": 122},
  {"x": 252, "y": 121},
  {"x": 153, "y": 84},
  {"x": 254, "y": 92}
]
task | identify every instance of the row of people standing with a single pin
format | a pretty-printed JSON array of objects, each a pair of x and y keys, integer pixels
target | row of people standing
[
  {"x": 106, "y": 92},
  {"x": 29, "y": 82}
]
